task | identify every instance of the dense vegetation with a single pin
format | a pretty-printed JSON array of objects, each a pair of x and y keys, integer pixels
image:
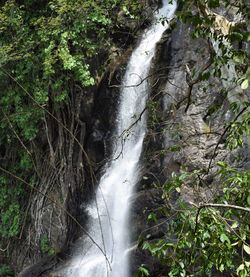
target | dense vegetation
[
  {"x": 203, "y": 238},
  {"x": 51, "y": 55}
]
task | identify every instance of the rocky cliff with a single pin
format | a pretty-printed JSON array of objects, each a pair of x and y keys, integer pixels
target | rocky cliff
[{"x": 186, "y": 122}]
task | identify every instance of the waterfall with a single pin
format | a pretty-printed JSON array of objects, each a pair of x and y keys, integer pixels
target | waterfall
[{"x": 109, "y": 213}]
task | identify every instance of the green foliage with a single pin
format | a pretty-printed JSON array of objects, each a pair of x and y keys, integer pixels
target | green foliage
[
  {"x": 142, "y": 272},
  {"x": 239, "y": 131},
  {"x": 206, "y": 25},
  {"x": 5, "y": 270},
  {"x": 10, "y": 221},
  {"x": 10, "y": 217},
  {"x": 47, "y": 48},
  {"x": 45, "y": 246},
  {"x": 197, "y": 243},
  {"x": 152, "y": 106},
  {"x": 201, "y": 240},
  {"x": 235, "y": 185},
  {"x": 44, "y": 48}
]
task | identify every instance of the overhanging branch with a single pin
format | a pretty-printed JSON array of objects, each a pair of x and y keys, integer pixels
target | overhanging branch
[{"x": 212, "y": 205}]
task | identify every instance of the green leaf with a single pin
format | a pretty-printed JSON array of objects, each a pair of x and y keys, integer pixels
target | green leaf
[
  {"x": 241, "y": 267},
  {"x": 248, "y": 200},
  {"x": 221, "y": 268},
  {"x": 182, "y": 264},
  {"x": 245, "y": 84},
  {"x": 144, "y": 270},
  {"x": 152, "y": 216},
  {"x": 247, "y": 249},
  {"x": 235, "y": 225},
  {"x": 224, "y": 237}
]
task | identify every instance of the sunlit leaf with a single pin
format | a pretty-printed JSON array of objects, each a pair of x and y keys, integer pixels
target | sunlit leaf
[
  {"x": 224, "y": 238},
  {"x": 247, "y": 249},
  {"x": 244, "y": 84}
]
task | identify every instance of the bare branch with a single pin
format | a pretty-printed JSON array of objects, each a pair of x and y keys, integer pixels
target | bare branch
[
  {"x": 222, "y": 136},
  {"x": 144, "y": 79},
  {"x": 191, "y": 82}
]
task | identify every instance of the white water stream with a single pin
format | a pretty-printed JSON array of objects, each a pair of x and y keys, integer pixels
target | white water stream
[{"x": 109, "y": 214}]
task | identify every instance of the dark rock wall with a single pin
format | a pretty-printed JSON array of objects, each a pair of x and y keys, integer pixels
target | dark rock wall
[{"x": 183, "y": 130}]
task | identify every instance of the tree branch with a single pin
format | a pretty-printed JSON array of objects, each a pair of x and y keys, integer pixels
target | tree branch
[
  {"x": 191, "y": 82},
  {"x": 212, "y": 205},
  {"x": 223, "y": 134}
]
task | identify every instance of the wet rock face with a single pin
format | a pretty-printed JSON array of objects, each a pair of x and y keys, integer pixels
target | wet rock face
[
  {"x": 183, "y": 133},
  {"x": 142, "y": 204},
  {"x": 100, "y": 125},
  {"x": 151, "y": 263}
]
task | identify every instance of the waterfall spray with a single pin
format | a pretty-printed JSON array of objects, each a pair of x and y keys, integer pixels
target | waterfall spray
[{"x": 109, "y": 213}]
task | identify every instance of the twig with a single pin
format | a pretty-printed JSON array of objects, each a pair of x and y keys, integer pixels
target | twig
[
  {"x": 191, "y": 82},
  {"x": 143, "y": 79},
  {"x": 212, "y": 205},
  {"x": 222, "y": 135},
  {"x": 5, "y": 249}
]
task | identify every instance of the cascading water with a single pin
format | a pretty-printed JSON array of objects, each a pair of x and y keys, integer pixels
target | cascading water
[{"x": 108, "y": 223}]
